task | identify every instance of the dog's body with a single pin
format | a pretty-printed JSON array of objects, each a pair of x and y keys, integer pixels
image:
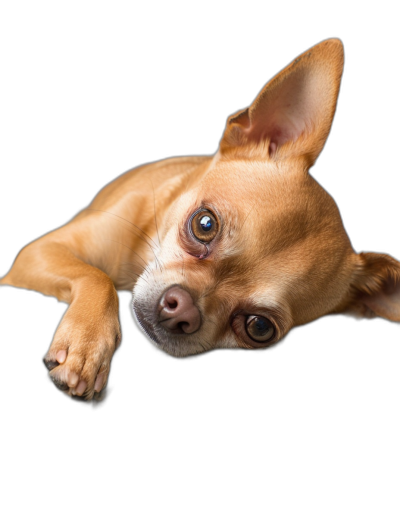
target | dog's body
[{"x": 223, "y": 251}]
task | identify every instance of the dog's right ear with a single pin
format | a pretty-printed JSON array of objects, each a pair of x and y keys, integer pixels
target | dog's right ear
[
  {"x": 293, "y": 113},
  {"x": 375, "y": 288}
]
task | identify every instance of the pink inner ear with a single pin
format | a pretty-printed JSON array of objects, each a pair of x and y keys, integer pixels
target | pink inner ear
[
  {"x": 272, "y": 148},
  {"x": 287, "y": 109},
  {"x": 295, "y": 108},
  {"x": 385, "y": 303},
  {"x": 279, "y": 130},
  {"x": 378, "y": 284}
]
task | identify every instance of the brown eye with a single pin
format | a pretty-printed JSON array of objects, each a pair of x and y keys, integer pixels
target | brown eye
[
  {"x": 259, "y": 328},
  {"x": 204, "y": 226}
]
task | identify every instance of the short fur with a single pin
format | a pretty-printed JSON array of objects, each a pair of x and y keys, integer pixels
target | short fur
[{"x": 281, "y": 251}]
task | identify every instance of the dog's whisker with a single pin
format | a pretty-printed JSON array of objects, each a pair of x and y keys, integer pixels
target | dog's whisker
[
  {"x": 120, "y": 218},
  {"x": 125, "y": 271},
  {"x": 155, "y": 213},
  {"x": 183, "y": 266},
  {"x": 254, "y": 247},
  {"x": 151, "y": 248},
  {"x": 210, "y": 289},
  {"x": 131, "y": 274},
  {"x": 144, "y": 280},
  {"x": 136, "y": 277},
  {"x": 132, "y": 265},
  {"x": 159, "y": 264},
  {"x": 127, "y": 246},
  {"x": 206, "y": 346}
]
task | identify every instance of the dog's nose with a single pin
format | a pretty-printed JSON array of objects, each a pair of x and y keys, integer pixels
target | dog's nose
[{"x": 178, "y": 313}]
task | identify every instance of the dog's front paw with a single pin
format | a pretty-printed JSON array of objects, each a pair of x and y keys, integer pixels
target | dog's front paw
[{"x": 80, "y": 355}]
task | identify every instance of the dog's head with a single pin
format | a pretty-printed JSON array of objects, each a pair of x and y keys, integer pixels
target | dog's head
[{"x": 254, "y": 245}]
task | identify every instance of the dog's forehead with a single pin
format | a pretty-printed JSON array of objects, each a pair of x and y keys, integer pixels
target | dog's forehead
[
  {"x": 287, "y": 238},
  {"x": 267, "y": 207}
]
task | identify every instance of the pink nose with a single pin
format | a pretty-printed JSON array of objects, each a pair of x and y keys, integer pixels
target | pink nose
[{"x": 178, "y": 313}]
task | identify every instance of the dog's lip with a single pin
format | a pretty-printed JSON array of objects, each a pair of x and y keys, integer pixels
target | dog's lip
[{"x": 145, "y": 325}]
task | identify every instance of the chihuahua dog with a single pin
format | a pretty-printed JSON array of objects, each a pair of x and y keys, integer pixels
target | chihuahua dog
[{"x": 230, "y": 250}]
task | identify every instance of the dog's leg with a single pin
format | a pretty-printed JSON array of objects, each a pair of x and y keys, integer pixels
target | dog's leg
[{"x": 81, "y": 351}]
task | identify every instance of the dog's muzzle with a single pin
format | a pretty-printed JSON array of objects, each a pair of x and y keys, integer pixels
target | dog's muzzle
[
  {"x": 169, "y": 316},
  {"x": 177, "y": 312}
]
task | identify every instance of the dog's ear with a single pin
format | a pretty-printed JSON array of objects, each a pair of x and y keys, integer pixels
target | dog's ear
[
  {"x": 376, "y": 286},
  {"x": 292, "y": 115}
]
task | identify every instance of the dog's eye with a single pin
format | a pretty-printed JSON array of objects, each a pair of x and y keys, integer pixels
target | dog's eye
[
  {"x": 204, "y": 226},
  {"x": 259, "y": 328}
]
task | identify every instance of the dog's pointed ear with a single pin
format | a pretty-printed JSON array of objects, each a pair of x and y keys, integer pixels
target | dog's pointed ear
[
  {"x": 376, "y": 286},
  {"x": 293, "y": 113}
]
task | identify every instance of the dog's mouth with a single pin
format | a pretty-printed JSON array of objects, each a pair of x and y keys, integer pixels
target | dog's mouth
[
  {"x": 172, "y": 317},
  {"x": 144, "y": 324}
]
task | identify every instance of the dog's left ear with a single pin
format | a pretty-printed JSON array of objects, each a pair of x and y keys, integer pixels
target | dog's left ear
[
  {"x": 376, "y": 286},
  {"x": 293, "y": 113}
]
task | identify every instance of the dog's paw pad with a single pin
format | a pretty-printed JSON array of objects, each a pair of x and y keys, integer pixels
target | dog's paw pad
[
  {"x": 80, "y": 375},
  {"x": 79, "y": 389},
  {"x": 52, "y": 361},
  {"x": 50, "y": 364},
  {"x": 80, "y": 355},
  {"x": 60, "y": 384}
]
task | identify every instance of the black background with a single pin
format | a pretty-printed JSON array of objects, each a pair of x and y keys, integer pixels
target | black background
[{"x": 87, "y": 98}]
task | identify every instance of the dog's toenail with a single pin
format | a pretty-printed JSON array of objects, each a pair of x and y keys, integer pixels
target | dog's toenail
[
  {"x": 81, "y": 387},
  {"x": 61, "y": 356},
  {"x": 99, "y": 383},
  {"x": 73, "y": 379}
]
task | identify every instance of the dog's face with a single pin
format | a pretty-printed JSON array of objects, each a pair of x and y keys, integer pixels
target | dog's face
[
  {"x": 277, "y": 250},
  {"x": 255, "y": 246}
]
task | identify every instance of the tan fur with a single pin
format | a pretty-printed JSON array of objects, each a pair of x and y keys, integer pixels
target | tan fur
[{"x": 281, "y": 251}]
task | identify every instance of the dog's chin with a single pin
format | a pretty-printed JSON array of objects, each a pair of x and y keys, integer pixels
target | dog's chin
[
  {"x": 178, "y": 345},
  {"x": 145, "y": 326}
]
